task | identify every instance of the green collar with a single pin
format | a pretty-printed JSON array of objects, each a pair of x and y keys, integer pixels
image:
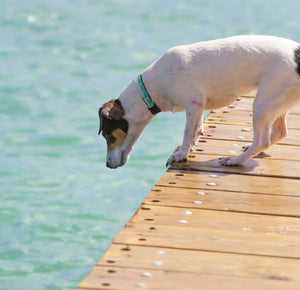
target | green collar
[{"x": 146, "y": 97}]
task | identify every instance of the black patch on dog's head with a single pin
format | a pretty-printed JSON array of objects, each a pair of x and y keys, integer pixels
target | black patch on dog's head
[
  {"x": 111, "y": 117},
  {"x": 113, "y": 126},
  {"x": 297, "y": 59}
]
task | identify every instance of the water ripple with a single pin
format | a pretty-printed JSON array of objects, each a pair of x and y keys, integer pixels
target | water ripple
[{"x": 60, "y": 207}]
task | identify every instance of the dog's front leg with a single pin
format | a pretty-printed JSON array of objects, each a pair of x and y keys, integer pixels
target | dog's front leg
[
  {"x": 194, "y": 114},
  {"x": 201, "y": 127}
]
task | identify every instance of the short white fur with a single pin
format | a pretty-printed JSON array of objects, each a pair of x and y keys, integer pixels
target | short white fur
[{"x": 210, "y": 75}]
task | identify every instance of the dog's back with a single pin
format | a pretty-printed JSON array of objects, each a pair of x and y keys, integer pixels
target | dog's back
[
  {"x": 219, "y": 54},
  {"x": 211, "y": 66}
]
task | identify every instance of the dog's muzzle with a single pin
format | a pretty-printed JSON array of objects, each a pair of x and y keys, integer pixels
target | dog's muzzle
[{"x": 113, "y": 162}]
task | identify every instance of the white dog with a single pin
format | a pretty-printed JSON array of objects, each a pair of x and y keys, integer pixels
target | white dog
[{"x": 204, "y": 76}]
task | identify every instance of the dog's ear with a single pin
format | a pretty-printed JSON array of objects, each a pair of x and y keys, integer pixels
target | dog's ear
[
  {"x": 101, "y": 121},
  {"x": 110, "y": 110},
  {"x": 104, "y": 113},
  {"x": 116, "y": 112}
]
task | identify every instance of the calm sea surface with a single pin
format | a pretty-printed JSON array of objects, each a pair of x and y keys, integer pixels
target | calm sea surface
[{"x": 60, "y": 207}]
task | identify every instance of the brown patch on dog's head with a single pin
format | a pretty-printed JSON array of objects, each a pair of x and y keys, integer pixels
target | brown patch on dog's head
[{"x": 113, "y": 126}]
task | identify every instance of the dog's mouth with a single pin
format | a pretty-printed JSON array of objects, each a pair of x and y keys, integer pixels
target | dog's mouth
[
  {"x": 123, "y": 158},
  {"x": 123, "y": 161}
]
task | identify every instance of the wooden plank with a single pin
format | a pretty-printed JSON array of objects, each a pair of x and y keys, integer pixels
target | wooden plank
[
  {"x": 127, "y": 278},
  {"x": 204, "y": 181},
  {"x": 241, "y": 104},
  {"x": 243, "y": 118},
  {"x": 224, "y": 200},
  {"x": 201, "y": 262},
  {"x": 251, "y": 94},
  {"x": 208, "y": 226},
  {"x": 229, "y": 132},
  {"x": 246, "y": 103},
  {"x": 213, "y": 231},
  {"x": 226, "y": 116},
  {"x": 263, "y": 167},
  {"x": 230, "y": 148}
]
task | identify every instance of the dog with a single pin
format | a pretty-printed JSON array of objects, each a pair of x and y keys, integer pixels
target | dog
[{"x": 204, "y": 76}]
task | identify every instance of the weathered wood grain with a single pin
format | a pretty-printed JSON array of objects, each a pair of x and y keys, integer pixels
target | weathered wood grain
[{"x": 206, "y": 226}]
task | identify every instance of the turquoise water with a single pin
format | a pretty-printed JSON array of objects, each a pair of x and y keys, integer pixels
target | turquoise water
[{"x": 60, "y": 207}]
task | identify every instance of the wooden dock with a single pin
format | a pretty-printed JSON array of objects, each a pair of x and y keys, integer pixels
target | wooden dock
[{"x": 204, "y": 226}]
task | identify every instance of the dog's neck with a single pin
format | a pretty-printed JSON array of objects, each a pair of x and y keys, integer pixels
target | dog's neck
[
  {"x": 152, "y": 107},
  {"x": 133, "y": 104},
  {"x": 149, "y": 83}
]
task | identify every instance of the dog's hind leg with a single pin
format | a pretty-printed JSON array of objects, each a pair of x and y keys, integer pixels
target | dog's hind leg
[
  {"x": 194, "y": 114},
  {"x": 263, "y": 138},
  {"x": 279, "y": 129}
]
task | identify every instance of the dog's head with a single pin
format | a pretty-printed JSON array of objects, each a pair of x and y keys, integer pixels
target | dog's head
[{"x": 114, "y": 129}]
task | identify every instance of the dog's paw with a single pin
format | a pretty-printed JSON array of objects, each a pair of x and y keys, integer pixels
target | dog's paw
[
  {"x": 177, "y": 156},
  {"x": 177, "y": 149},
  {"x": 229, "y": 161}
]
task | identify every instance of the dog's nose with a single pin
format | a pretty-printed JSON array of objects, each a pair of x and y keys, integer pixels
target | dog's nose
[{"x": 110, "y": 165}]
